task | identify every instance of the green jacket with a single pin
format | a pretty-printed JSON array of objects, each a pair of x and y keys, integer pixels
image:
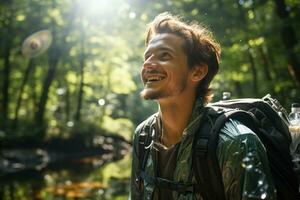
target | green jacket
[{"x": 241, "y": 155}]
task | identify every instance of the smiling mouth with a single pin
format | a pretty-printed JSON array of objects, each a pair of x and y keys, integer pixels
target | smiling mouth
[{"x": 152, "y": 79}]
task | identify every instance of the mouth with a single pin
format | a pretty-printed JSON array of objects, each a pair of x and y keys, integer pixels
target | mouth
[{"x": 153, "y": 78}]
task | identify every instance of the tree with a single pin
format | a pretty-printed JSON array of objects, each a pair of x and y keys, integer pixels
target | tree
[
  {"x": 7, "y": 24},
  {"x": 54, "y": 55},
  {"x": 289, "y": 39}
]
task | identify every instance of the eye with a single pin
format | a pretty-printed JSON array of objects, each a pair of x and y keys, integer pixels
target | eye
[{"x": 165, "y": 56}]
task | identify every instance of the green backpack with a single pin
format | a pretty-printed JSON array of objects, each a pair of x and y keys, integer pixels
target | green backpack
[{"x": 266, "y": 117}]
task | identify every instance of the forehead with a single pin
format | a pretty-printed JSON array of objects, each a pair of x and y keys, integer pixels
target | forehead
[{"x": 165, "y": 40}]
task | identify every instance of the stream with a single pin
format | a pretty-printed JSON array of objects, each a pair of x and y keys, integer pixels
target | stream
[{"x": 100, "y": 171}]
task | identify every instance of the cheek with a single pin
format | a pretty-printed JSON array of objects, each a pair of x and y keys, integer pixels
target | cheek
[
  {"x": 141, "y": 75},
  {"x": 179, "y": 78}
]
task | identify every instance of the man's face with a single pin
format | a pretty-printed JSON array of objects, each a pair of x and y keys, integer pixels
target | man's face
[{"x": 165, "y": 69}]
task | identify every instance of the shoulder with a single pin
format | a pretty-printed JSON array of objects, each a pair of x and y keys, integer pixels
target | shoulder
[
  {"x": 142, "y": 126},
  {"x": 234, "y": 128},
  {"x": 237, "y": 137},
  {"x": 138, "y": 136},
  {"x": 237, "y": 132},
  {"x": 149, "y": 121},
  {"x": 231, "y": 124}
]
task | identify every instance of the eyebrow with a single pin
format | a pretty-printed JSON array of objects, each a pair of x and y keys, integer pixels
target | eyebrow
[{"x": 162, "y": 48}]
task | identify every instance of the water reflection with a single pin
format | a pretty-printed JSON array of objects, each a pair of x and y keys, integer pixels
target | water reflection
[
  {"x": 79, "y": 182},
  {"x": 93, "y": 176}
]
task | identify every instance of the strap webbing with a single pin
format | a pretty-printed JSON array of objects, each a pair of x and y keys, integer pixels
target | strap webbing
[
  {"x": 205, "y": 161},
  {"x": 145, "y": 139},
  {"x": 171, "y": 185},
  {"x": 206, "y": 164}
]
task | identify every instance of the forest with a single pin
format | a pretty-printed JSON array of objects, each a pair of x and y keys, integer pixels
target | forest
[{"x": 69, "y": 80}]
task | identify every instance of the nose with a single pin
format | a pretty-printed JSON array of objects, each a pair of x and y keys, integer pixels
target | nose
[{"x": 150, "y": 63}]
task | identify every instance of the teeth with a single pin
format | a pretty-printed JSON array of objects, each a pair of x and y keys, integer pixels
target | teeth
[{"x": 154, "y": 78}]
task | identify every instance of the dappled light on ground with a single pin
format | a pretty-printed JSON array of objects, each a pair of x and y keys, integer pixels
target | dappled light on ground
[{"x": 75, "y": 190}]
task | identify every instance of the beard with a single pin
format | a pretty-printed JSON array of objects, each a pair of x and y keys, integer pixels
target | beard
[
  {"x": 155, "y": 94},
  {"x": 150, "y": 94}
]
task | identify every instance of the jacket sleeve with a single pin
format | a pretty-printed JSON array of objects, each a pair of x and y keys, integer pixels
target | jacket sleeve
[
  {"x": 135, "y": 181},
  {"x": 244, "y": 164}
]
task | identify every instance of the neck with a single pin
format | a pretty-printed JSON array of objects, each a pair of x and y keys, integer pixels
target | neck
[{"x": 175, "y": 115}]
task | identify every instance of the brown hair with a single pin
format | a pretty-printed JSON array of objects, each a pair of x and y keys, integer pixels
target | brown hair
[{"x": 200, "y": 46}]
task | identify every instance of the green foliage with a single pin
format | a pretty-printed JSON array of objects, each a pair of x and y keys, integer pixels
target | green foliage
[
  {"x": 99, "y": 46},
  {"x": 120, "y": 169},
  {"x": 120, "y": 126},
  {"x": 90, "y": 74}
]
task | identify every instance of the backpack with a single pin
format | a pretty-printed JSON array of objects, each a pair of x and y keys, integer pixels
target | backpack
[{"x": 265, "y": 117}]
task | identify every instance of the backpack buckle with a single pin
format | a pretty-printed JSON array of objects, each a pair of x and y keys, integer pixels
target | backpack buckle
[
  {"x": 185, "y": 188},
  {"x": 201, "y": 146}
]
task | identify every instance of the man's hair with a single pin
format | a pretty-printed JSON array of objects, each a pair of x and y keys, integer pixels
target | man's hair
[{"x": 199, "y": 46}]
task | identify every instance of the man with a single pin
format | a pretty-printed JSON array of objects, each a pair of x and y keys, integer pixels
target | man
[{"x": 180, "y": 61}]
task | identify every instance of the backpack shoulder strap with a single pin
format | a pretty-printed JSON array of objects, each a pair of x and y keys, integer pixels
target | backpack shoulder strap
[
  {"x": 145, "y": 138},
  {"x": 205, "y": 161}
]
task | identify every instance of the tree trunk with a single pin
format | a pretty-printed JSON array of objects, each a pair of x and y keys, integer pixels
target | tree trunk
[
  {"x": 54, "y": 55},
  {"x": 53, "y": 61},
  {"x": 288, "y": 37},
  {"x": 254, "y": 72},
  {"x": 81, "y": 85},
  {"x": 6, "y": 83},
  {"x": 28, "y": 70},
  {"x": 266, "y": 65},
  {"x": 266, "y": 69},
  {"x": 270, "y": 56},
  {"x": 68, "y": 104},
  {"x": 238, "y": 88},
  {"x": 7, "y": 27}
]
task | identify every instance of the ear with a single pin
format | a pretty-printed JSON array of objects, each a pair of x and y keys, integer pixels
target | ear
[{"x": 199, "y": 72}]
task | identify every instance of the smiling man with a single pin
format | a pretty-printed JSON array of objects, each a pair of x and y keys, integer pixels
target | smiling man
[{"x": 180, "y": 61}]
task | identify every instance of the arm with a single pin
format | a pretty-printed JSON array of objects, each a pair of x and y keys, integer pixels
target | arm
[{"x": 244, "y": 164}]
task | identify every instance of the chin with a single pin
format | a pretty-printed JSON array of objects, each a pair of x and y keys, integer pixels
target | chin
[{"x": 148, "y": 94}]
